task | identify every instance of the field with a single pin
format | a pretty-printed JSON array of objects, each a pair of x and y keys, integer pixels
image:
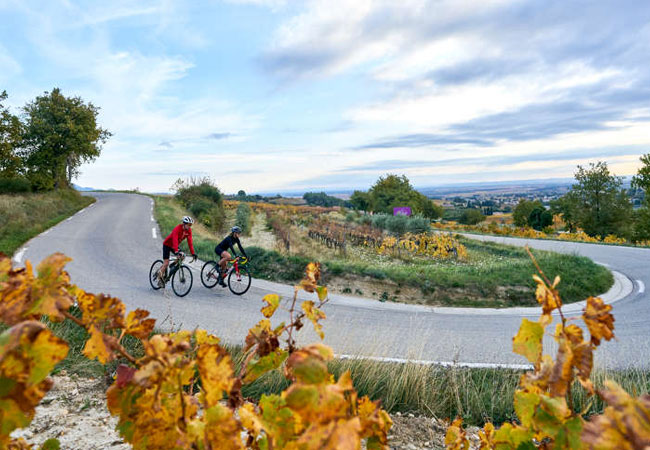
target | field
[
  {"x": 23, "y": 216},
  {"x": 472, "y": 273}
]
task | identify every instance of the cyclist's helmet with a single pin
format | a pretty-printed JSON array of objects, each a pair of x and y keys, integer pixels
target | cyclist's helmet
[
  {"x": 235, "y": 229},
  {"x": 188, "y": 219}
]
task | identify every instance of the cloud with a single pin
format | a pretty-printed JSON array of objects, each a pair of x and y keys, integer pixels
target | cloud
[
  {"x": 219, "y": 136},
  {"x": 424, "y": 140}
]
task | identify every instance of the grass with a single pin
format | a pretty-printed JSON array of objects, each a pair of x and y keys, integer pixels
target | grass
[
  {"x": 476, "y": 395},
  {"x": 495, "y": 275},
  {"x": 24, "y": 216}
]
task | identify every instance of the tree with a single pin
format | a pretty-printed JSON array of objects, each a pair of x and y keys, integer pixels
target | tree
[
  {"x": 11, "y": 130},
  {"x": 567, "y": 207},
  {"x": 360, "y": 200},
  {"x": 597, "y": 203},
  {"x": 540, "y": 218},
  {"x": 61, "y": 133},
  {"x": 522, "y": 211},
  {"x": 322, "y": 199},
  {"x": 471, "y": 216},
  {"x": 642, "y": 179},
  {"x": 391, "y": 191},
  {"x": 642, "y": 216}
]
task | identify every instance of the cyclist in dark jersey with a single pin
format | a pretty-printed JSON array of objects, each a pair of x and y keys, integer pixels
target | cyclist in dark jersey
[{"x": 222, "y": 250}]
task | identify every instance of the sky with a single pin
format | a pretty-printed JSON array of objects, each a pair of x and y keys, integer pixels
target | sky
[{"x": 281, "y": 95}]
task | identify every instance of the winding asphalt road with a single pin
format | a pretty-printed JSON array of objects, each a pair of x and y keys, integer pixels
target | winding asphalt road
[{"x": 114, "y": 241}]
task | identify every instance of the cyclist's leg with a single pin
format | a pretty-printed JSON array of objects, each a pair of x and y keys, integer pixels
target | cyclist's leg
[
  {"x": 163, "y": 269},
  {"x": 223, "y": 262}
]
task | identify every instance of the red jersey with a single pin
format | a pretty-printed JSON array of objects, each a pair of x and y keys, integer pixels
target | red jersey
[{"x": 176, "y": 237}]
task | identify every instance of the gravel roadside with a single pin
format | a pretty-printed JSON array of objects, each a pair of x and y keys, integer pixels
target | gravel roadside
[{"x": 74, "y": 411}]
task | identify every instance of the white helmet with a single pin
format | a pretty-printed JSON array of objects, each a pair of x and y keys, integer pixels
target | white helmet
[{"x": 188, "y": 219}]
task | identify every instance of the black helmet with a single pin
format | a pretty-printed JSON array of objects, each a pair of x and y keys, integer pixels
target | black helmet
[{"x": 235, "y": 229}]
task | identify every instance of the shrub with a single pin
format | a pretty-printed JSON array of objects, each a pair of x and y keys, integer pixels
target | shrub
[
  {"x": 418, "y": 224},
  {"x": 380, "y": 220},
  {"x": 243, "y": 217},
  {"x": 203, "y": 199},
  {"x": 471, "y": 216},
  {"x": 14, "y": 185},
  {"x": 397, "y": 224}
]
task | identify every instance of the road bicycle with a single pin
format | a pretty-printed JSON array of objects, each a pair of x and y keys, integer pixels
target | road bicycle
[
  {"x": 179, "y": 274},
  {"x": 239, "y": 279}
]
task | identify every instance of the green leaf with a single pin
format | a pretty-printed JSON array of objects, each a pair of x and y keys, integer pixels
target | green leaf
[{"x": 265, "y": 364}]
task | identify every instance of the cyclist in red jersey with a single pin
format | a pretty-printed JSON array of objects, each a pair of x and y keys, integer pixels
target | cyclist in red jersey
[{"x": 171, "y": 243}]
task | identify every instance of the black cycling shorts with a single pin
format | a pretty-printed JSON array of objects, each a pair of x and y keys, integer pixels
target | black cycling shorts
[
  {"x": 167, "y": 251},
  {"x": 218, "y": 250}
]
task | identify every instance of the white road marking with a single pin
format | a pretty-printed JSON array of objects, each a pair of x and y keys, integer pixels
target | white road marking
[
  {"x": 602, "y": 264},
  {"x": 45, "y": 232},
  {"x": 641, "y": 286},
  {"x": 441, "y": 363},
  {"x": 19, "y": 256},
  {"x": 152, "y": 219},
  {"x": 153, "y": 233},
  {"x": 69, "y": 219}
]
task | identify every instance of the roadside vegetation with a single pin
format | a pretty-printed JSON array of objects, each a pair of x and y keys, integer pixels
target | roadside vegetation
[
  {"x": 596, "y": 209},
  {"x": 476, "y": 395},
  {"x": 24, "y": 216},
  {"x": 473, "y": 273},
  {"x": 41, "y": 152}
]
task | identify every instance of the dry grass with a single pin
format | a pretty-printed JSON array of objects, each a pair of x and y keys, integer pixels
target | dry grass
[{"x": 23, "y": 216}]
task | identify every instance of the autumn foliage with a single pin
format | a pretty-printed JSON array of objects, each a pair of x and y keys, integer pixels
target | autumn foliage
[
  {"x": 543, "y": 402},
  {"x": 185, "y": 392}
]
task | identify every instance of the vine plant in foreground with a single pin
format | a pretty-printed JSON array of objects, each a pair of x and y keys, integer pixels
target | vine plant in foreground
[
  {"x": 184, "y": 392},
  {"x": 543, "y": 403}
]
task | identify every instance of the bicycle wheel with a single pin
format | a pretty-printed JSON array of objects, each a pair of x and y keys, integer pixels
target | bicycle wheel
[
  {"x": 210, "y": 274},
  {"x": 155, "y": 268},
  {"x": 238, "y": 283},
  {"x": 182, "y": 281}
]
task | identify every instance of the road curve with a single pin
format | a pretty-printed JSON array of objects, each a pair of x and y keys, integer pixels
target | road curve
[{"x": 114, "y": 241}]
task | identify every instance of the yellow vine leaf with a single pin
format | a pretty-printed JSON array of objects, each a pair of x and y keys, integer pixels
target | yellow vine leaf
[
  {"x": 599, "y": 320},
  {"x": 314, "y": 314},
  {"x": 624, "y": 424},
  {"x": 273, "y": 301},
  {"x": 547, "y": 296},
  {"x": 138, "y": 325},
  {"x": 342, "y": 434},
  {"x": 528, "y": 341},
  {"x": 203, "y": 337},
  {"x": 375, "y": 423},
  {"x": 456, "y": 438},
  {"x": 101, "y": 310},
  {"x": 309, "y": 364},
  {"x": 281, "y": 423},
  {"x": 28, "y": 353},
  {"x": 217, "y": 372},
  {"x": 27, "y": 298},
  {"x": 486, "y": 437},
  {"x": 222, "y": 431},
  {"x": 100, "y": 346}
]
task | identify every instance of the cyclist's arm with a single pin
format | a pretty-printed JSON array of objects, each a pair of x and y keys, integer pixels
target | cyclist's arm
[
  {"x": 175, "y": 242},
  {"x": 189, "y": 243},
  {"x": 241, "y": 249}
]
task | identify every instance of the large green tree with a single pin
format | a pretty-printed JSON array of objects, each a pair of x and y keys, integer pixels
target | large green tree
[
  {"x": 11, "y": 130},
  {"x": 522, "y": 211},
  {"x": 597, "y": 203},
  {"x": 61, "y": 133},
  {"x": 391, "y": 191}
]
